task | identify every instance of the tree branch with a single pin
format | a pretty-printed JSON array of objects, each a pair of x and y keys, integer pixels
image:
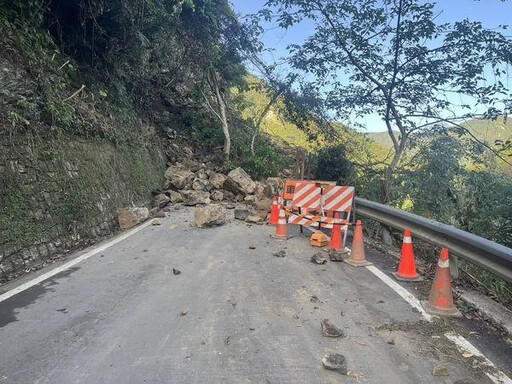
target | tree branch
[{"x": 389, "y": 103}]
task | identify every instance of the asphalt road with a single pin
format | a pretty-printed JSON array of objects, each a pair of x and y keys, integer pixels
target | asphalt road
[{"x": 233, "y": 315}]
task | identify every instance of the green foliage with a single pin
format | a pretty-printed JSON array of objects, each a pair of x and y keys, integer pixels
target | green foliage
[
  {"x": 269, "y": 159},
  {"x": 399, "y": 62},
  {"x": 19, "y": 227},
  {"x": 333, "y": 165},
  {"x": 98, "y": 66},
  {"x": 455, "y": 183}
]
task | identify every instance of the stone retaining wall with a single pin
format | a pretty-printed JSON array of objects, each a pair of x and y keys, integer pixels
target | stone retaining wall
[{"x": 58, "y": 192}]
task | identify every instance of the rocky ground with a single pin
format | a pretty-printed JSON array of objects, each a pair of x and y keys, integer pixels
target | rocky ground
[
  {"x": 196, "y": 183},
  {"x": 175, "y": 303}
]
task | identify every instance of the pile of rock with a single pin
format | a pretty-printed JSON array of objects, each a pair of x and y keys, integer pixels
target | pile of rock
[{"x": 196, "y": 184}]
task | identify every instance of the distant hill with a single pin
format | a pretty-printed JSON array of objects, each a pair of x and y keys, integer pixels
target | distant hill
[
  {"x": 381, "y": 138},
  {"x": 484, "y": 130},
  {"x": 490, "y": 131}
]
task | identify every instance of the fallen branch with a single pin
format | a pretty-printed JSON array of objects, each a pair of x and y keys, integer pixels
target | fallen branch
[
  {"x": 74, "y": 94},
  {"x": 63, "y": 65}
]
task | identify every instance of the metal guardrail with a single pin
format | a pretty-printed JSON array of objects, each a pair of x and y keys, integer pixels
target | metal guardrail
[{"x": 486, "y": 254}]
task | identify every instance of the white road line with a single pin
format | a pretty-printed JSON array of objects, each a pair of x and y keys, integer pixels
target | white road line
[
  {"x": 497, "y": 377},
  {"x": 71, "y": 263},
  {"x": 464, "y": 346},
  {"x": 404, "y": 293}
]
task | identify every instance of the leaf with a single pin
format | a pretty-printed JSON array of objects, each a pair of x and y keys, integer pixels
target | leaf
[{"x": 103, "y": 93}]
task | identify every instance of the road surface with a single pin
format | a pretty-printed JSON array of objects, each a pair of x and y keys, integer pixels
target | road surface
[{"x": 233, "y": 315}]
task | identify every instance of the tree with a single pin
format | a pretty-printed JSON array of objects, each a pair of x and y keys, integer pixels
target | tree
[
  {"x": 393, "y": 58},
  {"x": 216, "y": 39}
]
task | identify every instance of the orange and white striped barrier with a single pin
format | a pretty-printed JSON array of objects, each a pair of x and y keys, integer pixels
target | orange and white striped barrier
[{"x": 316, "y": 220}]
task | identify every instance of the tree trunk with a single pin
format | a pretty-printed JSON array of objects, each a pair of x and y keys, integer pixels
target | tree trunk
[
  {"x": 222, "y": 115},
  {"x": 387, "y": 187},
  {"x": 253, "y": 140}
]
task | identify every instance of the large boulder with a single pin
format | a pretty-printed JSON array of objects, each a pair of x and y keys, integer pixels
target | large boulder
[
  {"x": 238, "y": 181},
  {"x": 241, "y": 214},
  {"x": 210, "y": 215},
  {"x": 178, "y": 177},
  {"x": 250, "y": 199},
  {"x": 272, "y": 186},
  {"x": 200, "y": 185},
  {"x": 157, "y": 212},
  {"x": 161, "y": 200},
  {"x": 262, "y": 214},
  {"x": 259, "y": 191},
  {"x": 264, "y": 204},
  {"x": 254, "y": 219},
  {"x": 176, "y": 197},
  {"x": 195, "y": 197},
  {"x": 228, "y": 195},
  {"x": 130, "y": 217},
  {"x": 217, "y": 195},
  {"x": 201, "y": 174},
  {"x": 217, "y": 180}
]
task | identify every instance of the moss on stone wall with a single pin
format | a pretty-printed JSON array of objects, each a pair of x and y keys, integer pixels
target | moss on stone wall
[{"x": 60, "y": 191}]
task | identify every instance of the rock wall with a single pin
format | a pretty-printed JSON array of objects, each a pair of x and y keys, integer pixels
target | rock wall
[{"x": 61, "y": 191}]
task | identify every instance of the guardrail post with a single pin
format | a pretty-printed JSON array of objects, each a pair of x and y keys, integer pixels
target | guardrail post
[
  {"x": 386, "y": 235},
  {"x": 454, "y": 266}
]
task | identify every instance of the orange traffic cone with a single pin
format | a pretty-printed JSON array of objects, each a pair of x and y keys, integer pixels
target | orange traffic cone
[
  {"x": 407, "y": 266},
  {"x": 440, "y": 301},
  {"x": 336, "y": 243},
  {"x": 274, "y": 213},
  {"x": 357, "y": 257},
  {"x": 281, "y": 226}
]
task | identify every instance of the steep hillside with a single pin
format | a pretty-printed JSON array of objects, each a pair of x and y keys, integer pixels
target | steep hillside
[
  {"x": 96, "y": 98},
  {"x": 280, "y": 127},
  {"x": 490, "y": 131},
  {"x": 254, "y": 98},
  {"x": 381, "y": 138}
]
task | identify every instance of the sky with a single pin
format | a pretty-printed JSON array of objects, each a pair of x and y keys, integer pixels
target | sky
[{"x": 491, "y": 13}]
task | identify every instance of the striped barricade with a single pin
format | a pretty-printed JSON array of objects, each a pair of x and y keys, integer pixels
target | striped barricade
[
  {"x": 316, "y": 220},
  {"x": 315, "y": 204}
]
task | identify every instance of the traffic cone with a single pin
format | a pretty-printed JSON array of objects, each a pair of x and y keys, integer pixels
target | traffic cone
[
  {"x": 274, "y": 213},
  {"x": 357, "y": 257},
  {"x": 440, "y": 301},
  {"x": 407, "y": 267},
  {"x": 336, "y": 243},
  {"x": 281, "y": 226}
]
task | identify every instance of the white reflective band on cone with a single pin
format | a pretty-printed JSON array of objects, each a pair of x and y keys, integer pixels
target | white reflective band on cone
[
  {"x": 443, "y": 264},
  {"x": 407, "y": 240}
]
